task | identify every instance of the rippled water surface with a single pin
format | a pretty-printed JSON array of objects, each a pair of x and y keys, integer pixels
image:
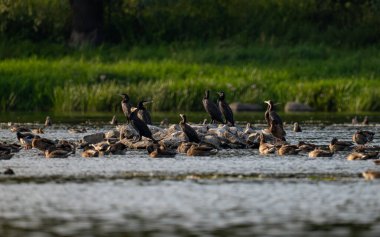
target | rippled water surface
[{"x": 235, "y": 193}]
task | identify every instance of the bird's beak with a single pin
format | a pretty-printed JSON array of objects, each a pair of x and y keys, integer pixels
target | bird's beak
[{"x": 266, "y": 101}]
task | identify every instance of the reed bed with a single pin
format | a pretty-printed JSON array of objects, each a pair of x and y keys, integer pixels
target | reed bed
[{"x": 175, "y": 76}]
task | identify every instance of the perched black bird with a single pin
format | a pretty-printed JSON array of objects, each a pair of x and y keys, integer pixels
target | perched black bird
[
  {"x": 126, "y": 106},
  {"x": 225, "y": 109},
  {"x": 274, "y": 121},
  {"x": 140, "y": 126},
  {"x": 212, "y": 109},
  {"x": 143, "y": 113},
  {"x": 190, "y": 132}
]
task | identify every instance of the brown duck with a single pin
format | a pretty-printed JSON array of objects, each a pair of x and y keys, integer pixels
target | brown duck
[
  {"x": 90, "y": 153},
  {"x": 362, "y": 156},
  {"x": 5, "y": 154},
  {"x": 184, "y": 146},
  {"x": 371, "y": 174},
  {"x": 201, "y": 150},
  {"x": 13, "y": 147},
  {"x": 297, "y": 127},
  {"x": 117, "y": 148},
  {"x": 336, "y": 145},
  {"x": 265, "y": 148},
  {"x": 52, "y": 152},
  {"x": 42, "y": 144},
  {"x": 317, "y": 152},
  {"x": 288, "y": 150},
  {"x": 159, "y": 151},
  {"x": 306, "y": 147},
  {"x": 274, "y": 122},
  {"x": 363, "y": 137}
]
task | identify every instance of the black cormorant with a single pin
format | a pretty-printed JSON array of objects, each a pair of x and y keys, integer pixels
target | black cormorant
[
  {"x": 126, "y": 106},
  {"x": 143, "y": 113},
  {"x": 225, "y": 109},
  {"x": 190, "y": 132},
  {"x": 274, "y": 121},
  {"x": 140, "y": 126},
  {"x": 212, "y": 109}
]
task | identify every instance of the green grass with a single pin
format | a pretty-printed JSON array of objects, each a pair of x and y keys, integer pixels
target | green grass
[{"x": 50, "y": 77}]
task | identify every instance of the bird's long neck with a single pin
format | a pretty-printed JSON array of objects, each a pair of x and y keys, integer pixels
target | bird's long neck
[
  {"x": 270, "y": 107},
  {"x": 207, "y": 95},
  {"x": 184, "y": 120}
]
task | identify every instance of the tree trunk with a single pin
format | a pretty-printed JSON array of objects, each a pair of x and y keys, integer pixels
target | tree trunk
[{"x": 87, "y": 20}]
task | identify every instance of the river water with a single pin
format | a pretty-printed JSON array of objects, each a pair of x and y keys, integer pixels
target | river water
[{"x": 235, "y": 193}]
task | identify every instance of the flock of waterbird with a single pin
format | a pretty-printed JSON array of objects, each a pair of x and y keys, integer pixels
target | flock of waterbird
[{"x": 191, "y": 139}]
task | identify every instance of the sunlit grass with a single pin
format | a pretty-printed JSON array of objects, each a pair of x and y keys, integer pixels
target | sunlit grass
[{"x": 175, "y": 77}]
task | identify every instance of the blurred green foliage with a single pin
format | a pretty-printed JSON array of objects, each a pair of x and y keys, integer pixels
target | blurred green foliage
[
  {"x": 347, "y": 22},
  {"x": 175, "y": 76}
]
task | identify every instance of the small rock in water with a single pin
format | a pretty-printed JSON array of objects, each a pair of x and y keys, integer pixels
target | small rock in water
[{"x": 9, "y": 171}]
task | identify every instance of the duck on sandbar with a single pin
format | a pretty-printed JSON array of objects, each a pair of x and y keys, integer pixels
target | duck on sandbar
[
  {"x": 159, "y": 151},
  {"x": 288, "y": 150},
  {"x": 52, "y": 152},
  {"x": 371, "y": 174},
  {"x": 265, "y": 148},
  {"x": 336, "y": 145},
  {"x": 201, "y": 150},
  {"x": 363, "y": 137},
  {"x": 362, "y": 156},
  {"x": 297, "y": 127},
  {"x": 317, "y": 152},
  {"x": 274, "y": 121}
]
